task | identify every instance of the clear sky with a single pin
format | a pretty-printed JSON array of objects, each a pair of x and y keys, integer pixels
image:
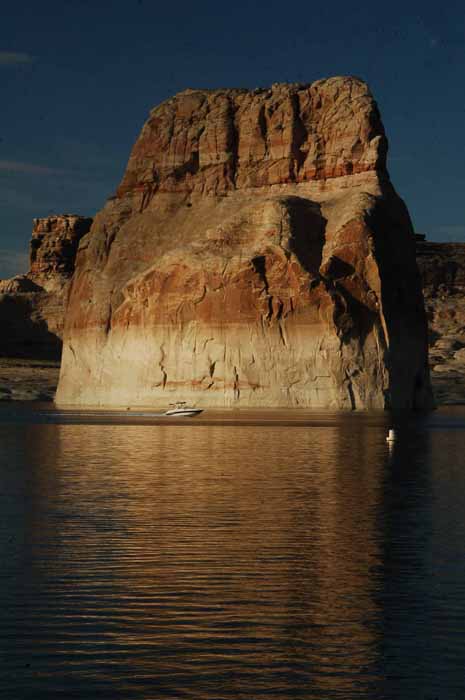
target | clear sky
[{"x": 78, "y": 78}]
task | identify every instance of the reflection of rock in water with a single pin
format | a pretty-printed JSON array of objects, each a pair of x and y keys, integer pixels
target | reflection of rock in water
[{"x": 212, "y": 550}]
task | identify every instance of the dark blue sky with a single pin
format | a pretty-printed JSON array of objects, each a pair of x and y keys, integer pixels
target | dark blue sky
[{"x": 79, "y": 77}]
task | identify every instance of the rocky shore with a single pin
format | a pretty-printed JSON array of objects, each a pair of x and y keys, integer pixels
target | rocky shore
[
  {"x": 32, "y": 310},
  {"x": 23, "y": 379},
  {"x": 442, "y": 268}
]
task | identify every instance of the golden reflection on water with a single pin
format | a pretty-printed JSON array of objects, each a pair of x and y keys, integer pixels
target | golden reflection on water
[{"x": 241, "y": 558}]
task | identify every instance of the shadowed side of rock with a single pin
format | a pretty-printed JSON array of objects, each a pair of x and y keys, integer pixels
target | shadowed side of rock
[
  {"x": 256, "y": 254},
  {"x": 442, "y": 268},
  {"x": 32, "y": 306}
]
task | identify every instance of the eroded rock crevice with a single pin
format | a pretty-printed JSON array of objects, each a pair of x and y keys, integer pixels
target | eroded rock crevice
[{"x": 254, "y": 239}]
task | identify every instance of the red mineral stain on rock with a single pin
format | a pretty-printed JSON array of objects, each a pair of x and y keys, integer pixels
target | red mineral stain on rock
[{"x": 256, "y": 254}]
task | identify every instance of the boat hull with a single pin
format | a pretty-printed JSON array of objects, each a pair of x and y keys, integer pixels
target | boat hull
[{"x": 183, "y": 412}]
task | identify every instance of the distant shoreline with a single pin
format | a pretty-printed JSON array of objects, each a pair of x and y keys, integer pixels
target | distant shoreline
[{"x": 23, "y": 379}]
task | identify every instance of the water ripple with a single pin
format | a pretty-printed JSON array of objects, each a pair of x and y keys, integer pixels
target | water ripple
[{"x": 245, "y": 557}]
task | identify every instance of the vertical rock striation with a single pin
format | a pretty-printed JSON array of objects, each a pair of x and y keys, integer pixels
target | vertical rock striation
[
  {"x": 53, "y": 247},
  {"x": 255, "y": 254}
]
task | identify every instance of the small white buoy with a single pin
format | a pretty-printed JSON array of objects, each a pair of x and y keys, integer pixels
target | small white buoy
[{"x": 392, "y": 436}]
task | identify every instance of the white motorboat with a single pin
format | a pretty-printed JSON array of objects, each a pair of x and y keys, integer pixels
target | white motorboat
[{"x": 180, "y": 409}]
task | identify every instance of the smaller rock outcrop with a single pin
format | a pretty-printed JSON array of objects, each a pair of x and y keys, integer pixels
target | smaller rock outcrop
[
  {"x": 442, "y": 269},
  {"x": 32, "y": 306},
  {"x": 53, "y": 248}
]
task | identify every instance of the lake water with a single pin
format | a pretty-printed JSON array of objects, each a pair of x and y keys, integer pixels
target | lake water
[{"x": 235, "y": 555}]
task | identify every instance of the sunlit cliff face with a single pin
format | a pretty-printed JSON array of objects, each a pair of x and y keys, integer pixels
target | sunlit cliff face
[{"x": 255, "y": 255}]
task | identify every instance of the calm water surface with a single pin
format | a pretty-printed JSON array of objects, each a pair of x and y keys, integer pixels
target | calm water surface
[{"x": 250, "y": 555}]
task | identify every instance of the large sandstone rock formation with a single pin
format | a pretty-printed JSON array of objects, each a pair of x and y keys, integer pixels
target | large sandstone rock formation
[
  {"x": 32, "y": 306},
  {"x": 442, "y": 268},
  {"x": 256, "y": 253}
]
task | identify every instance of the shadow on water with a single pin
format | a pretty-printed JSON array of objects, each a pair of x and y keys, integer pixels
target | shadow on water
[
  {"x": 419, "y": 609},
  {"x": 405, "y": 523},
  {"x": 221, "y": 561}
]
